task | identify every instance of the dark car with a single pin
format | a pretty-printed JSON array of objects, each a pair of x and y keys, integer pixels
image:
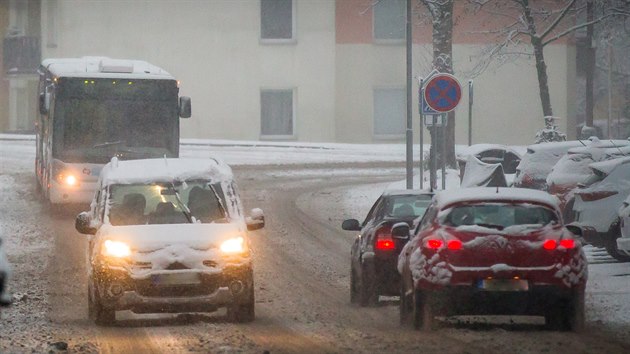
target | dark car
[
  {"x": 5, "y": 271},
  {"x": 492, "y": 251},
  {"x": 375, "y": 252}
]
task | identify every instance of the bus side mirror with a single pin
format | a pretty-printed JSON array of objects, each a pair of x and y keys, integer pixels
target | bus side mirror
[
  {"x": 44, "y": 103},
  {"x": 185, "y": 109}
]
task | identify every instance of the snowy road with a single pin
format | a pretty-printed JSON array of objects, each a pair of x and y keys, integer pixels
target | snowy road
[{"x": 301, "y": 274}]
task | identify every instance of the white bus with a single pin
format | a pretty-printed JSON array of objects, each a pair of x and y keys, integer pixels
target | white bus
[{"x": 94, "y": 108}]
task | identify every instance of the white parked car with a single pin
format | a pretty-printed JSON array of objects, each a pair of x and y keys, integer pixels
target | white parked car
[
  {"x": 537, "y": 163},
  {"x": 5, "y": 272},
  {"x": 597, "y": 203},
  {"x": 623, "y": 242},
  {"x": 169, "y": 235}
]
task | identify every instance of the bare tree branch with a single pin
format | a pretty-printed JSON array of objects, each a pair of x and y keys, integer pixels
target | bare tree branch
[{"x": 558, "y": 19}]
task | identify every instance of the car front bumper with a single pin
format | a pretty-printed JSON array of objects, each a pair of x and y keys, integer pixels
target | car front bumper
[{"x": 120, "y": 292}]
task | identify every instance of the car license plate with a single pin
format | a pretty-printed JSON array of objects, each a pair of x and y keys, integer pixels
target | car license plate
[
  {"x": 175, "y": 279},
  {"x": 504, "y": 285}
]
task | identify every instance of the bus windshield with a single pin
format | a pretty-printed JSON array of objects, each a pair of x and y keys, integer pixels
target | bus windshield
[{"x": 98, "y": 119}]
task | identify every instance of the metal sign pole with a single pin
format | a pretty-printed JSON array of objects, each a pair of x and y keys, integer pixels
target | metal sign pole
[
  {"x": 421, "y": 131},
  {"x": 444, "y": 120},
  {"x": 409, "y": 96},
  {"x": 433, "y": 171},
  {"x": 470, "y": 105}
]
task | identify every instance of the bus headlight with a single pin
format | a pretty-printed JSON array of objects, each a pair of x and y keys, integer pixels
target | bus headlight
[
  {"x": 116, "y": 249},
  {"x": 233, "y": 245},
  {"x": 68, "y": 180}
]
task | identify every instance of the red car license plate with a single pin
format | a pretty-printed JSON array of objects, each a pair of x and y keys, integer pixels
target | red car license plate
[{"x": 504, "y": 285}]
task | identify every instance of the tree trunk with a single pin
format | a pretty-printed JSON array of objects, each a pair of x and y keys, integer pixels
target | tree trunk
[
  {"x": 442, "y": 16},
  {"x": 590, "y": 65},
  {"x": 541, "y": 67}
]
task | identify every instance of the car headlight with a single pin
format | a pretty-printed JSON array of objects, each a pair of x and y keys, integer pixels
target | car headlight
[
  {"x": 68, "y": 180},
  {"x": 116, "y": 249},
  {"x": 233, "y": 245}
]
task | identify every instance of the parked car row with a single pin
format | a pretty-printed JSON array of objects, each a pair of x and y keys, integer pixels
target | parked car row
[
  {"x": 590, "y": 181},
  {"x": 481, "y": 251}
]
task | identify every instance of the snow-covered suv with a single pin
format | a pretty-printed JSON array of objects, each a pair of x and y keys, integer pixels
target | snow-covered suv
[{"x": 170, "y": 235}]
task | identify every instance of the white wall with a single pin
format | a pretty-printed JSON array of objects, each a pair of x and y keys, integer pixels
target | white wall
[
  {"x": 213, "y": 48},
  {"x": 507, "y": 106}
]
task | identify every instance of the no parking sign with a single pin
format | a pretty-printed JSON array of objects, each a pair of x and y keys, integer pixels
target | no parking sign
[{"x": 442, "y": 93}]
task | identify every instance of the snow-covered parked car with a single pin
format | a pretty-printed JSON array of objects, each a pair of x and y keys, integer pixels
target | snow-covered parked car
[
  {"x": 374, "y": 253},
  {"x": 597, "y": 203},
  {"x": 573, "y": 168},
  {"x": 5, "y": 272},
  {"x": 538, "y": 161},
  {"x": 170, "y": 235},
  {"x": 491, "y": 154},
  {"x": 623, "y": 242},
  {"x": 492, "y": 251}
]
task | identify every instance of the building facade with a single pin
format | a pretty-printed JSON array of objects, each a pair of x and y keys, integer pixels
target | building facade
[{"x": 304, "y": 70}]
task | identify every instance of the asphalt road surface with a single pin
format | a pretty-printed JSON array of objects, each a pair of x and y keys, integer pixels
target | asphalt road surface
[{"x": 301, "y": 267}]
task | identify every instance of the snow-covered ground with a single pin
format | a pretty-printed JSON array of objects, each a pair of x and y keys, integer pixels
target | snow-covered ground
[{"x": 608, "y": 289}]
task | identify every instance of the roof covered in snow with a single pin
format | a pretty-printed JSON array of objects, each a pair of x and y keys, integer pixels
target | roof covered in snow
[
  {"x": 479, "y": 148},
  {"x": 391, "y": 192},
  {"x": 493, "y": 194},
  {"x": 164, "y": 170},
  {"x": 104, "y": 67}
]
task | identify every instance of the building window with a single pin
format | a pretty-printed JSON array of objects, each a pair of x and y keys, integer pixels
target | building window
[
  {"x": 390, "y": 112},
  {"x": 276, "y": 113},
  {"x": 277, "y": 20},
  {"x": 390, "y": 20}
]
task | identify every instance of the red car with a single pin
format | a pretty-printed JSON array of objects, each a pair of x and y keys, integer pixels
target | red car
[{"x": 492, "y": 251}]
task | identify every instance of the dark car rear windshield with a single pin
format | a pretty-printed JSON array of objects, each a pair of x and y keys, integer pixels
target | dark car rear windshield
[
  {"x": 408, "y": 206},
  {"x": 500, "y": 215}
]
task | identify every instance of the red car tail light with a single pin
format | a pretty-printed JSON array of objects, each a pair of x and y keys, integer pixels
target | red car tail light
[
  {"x": 434, "y": 244},
  {"x": 592, "y": 196},
  {"x": 384, "y": 240},
  {"x": 550, "y": 244},
  {"x": 454, "y": 245},
  {"x": 567, "y": 243}
]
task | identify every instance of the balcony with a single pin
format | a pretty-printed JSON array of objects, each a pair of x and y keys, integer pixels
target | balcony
[{"x": 21, "y": 55}]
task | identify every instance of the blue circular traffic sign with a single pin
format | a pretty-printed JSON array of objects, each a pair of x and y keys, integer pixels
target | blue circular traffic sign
[{"x": 442, "y": 93}]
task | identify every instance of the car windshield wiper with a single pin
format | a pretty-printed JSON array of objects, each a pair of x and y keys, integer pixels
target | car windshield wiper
[
  {"x": 219, "y": 200},
  {"x": 182, "y": 206},
  {"x": 107, "y": 144}
]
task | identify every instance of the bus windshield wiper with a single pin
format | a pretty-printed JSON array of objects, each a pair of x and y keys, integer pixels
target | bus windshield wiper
[{"x": 108, "y": 143}]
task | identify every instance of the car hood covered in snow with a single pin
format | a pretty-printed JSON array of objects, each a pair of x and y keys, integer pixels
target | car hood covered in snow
[{"x": 147, "y": 238}]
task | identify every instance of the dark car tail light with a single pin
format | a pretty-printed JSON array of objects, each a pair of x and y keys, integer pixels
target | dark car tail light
[
  {"x": 592, "y": 196},
  {"x": 553, "y": 244},
  {"x": 384, "y": 240}
]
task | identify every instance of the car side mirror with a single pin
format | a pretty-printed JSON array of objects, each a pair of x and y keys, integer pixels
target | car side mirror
[
  {"x": 82, "y": 224},
  {"x": 256, "y": 220},
  {"x": 185, "y": 107},
  {"x": 576, "y": 230},
  {"x": 400, "y": 231},
  {"x": 351, "y": 225}
]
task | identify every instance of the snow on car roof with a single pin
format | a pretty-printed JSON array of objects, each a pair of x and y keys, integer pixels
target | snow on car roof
[
  {"x": 598, "y": 144},
  {"x": 607, "y": 166},
  {"x": 104, "y": 67},
  {"x": 478, "y": 148},
  {"x": 556, "y": 146},
  {"x": 164, "y": 170},
  {"x": 492, "y": 194},
  {"x": 390, "y": 192}
]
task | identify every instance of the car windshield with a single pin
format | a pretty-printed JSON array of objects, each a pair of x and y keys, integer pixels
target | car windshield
[
  {"x": 500, "y": 215},
  {"x": 408, "y": 206},
  {"x": 161, "y": 203}
]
